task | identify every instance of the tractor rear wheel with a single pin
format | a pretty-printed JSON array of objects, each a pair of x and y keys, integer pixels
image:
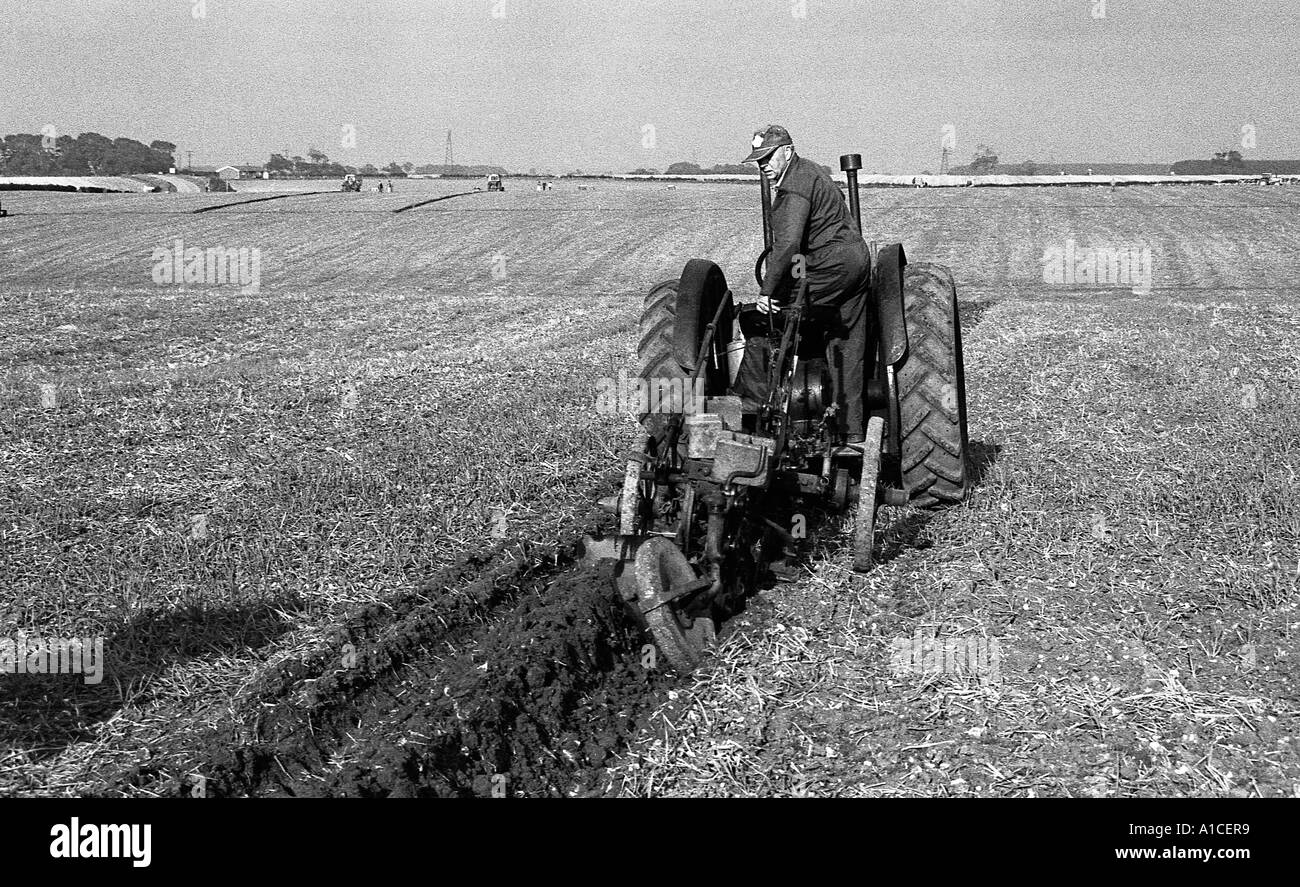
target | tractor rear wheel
[
  {"x": 932, "y": 391},
  {"x": 676, "y": 309}
]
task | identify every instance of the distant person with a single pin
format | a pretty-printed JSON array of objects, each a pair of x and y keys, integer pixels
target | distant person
[{"x": 811, "y": 219}]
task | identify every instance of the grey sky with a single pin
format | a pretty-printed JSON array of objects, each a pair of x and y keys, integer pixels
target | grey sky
[{"x": 563, "y": 84}]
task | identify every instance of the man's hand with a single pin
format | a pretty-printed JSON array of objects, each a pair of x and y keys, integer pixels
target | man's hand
[{"x": 767, "y": 305}]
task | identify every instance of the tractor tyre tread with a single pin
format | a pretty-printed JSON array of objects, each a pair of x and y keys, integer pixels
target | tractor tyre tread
[
  {"x": 695, "y": 293},
  {"x": 931, "y": 391},
  {"x": 655, "y": 348}
]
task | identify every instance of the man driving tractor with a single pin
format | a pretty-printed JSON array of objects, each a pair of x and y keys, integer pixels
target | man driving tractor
[{"x": 814, "y": 236}]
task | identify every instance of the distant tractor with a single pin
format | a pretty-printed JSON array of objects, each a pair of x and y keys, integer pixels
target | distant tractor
[
  {"x": 3, "y": 212},
  {"x": 494, "y": 183},
  {"x": 351, "y": 182}
]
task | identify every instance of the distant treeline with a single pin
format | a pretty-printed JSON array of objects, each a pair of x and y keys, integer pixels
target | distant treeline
[
  {"x": 720, "y": 169},
  {"x": 1179, "y": 168},
  {"x": 456, "y": 169},
  {"x": 1221, "y": 163},
  {"x": 1031, "y": 168},
  {"x": 89, "y": 154},
  {"x": 317, "y": 165},
  {"x": 1245, "y": 167}
]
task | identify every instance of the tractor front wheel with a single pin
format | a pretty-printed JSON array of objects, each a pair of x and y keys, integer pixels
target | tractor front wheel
[{"x": 864, "y": 531}]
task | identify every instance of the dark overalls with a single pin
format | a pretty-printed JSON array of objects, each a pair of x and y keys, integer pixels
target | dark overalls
[{"x": 810, "y": 218}]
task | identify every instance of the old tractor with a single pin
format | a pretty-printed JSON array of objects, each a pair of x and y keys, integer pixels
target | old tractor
[
  {"x": 709, "y": 498},
  {"x": 494, "y": 183},
  {"x": 351, "y": 182}
]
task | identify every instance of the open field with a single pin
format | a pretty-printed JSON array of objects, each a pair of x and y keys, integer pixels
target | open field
[{"x": 324, "y": 524}]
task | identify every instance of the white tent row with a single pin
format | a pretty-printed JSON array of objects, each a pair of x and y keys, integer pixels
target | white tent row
[
  {"x": 883, "y": 181},
  {"x": 871, "y": 180},
  {"x": 703, "y": 177},
  {"x": 78, "y": 183},
  {"x": 180, "y": 184},
  {"x": 141, "y": 184}
]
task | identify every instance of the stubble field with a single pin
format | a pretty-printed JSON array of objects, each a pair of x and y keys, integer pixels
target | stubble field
[{"x": 326, "y": 528}]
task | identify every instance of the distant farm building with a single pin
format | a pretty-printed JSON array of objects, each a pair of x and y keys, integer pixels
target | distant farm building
[
  {"x": 242, "y": 171},
  {"x": 230, "y": 172}
]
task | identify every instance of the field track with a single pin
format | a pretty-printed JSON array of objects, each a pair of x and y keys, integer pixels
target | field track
[
  {"x": 420, "y": 203},
  {"x": 208, "y": 209},
  {"x": 326, "y": 526}
]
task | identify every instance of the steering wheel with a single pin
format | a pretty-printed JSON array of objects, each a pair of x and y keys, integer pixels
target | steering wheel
[{"x": 759, "y": 263}]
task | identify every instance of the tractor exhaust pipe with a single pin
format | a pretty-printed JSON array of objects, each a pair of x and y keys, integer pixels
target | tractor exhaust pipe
[
  {"x": 767, "y": 211},
  {"x": 850, "y": 164}
]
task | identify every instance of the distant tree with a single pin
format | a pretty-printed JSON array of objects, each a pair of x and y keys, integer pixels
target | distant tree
[
  {"x": 93, "y": 148},
  {"x": 733, "y": 169},
  {"x": 316, "y": 155},
  {"x": 682, "y": 168},
  {"x": 1023, "y": 168},
  {"x": 279, "y": 164},
  {"x": 636, "y": 172},
  {"x": 394, "y": 169},
  {"x": 407, "y": 167},
  {"x": 369, "y": 170},
  {"x": 985, "y": 162},
  {"x": 162, "y": 147},
  {"x": 1228, "y": 160},
  {"x": 24, "y": 154},
  {"x": 129, "y": 156}
]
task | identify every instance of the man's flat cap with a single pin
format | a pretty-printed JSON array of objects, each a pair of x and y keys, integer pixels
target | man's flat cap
[{"x": 766, "y": 141}]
